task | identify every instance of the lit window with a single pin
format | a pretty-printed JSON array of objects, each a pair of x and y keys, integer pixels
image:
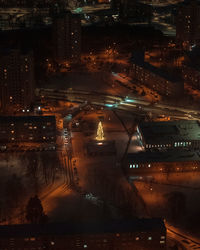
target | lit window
[
  {"x": 149, "y": 165},
  {"x": 84, "y": 246},
  {"x": 30, "y": 138},
  {"x": 52, "y": 243},
  {"x": 162, "y": 237},
  {"x": 137, "y": 238},
  {"x": 32, "y": 239},
  {"x": 12, "y": 131},
  {"x": 137, "y": 166},
  {"x": 162, "y": 242},
  {"x": 12, "y": 139},
  {"x": 133, "y": 166},
  {"x": 44, "y": 126},
  {"x": 12, "y": 124},
  {"x": 149, "y": 238},
  {"x": 44, "y": 137}
]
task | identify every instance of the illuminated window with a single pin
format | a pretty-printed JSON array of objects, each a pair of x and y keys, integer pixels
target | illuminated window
[
  {"x": 31, "y": 138},
  {"x": 137, "y": 166},
  {"x": 44, "y": 137},
  {"x": 137, "y": 238},
  {"x": 149, "y": 238},
  {"x": 149, "y": 165},
  {"x": 44, "y": 126},
  {"x": 162, "y": 237},
  {"x": 12, "y": 131},
  {"x": 162, "y": 242},
  {"x": 84, "y": 246},
  {"x": 133, "y": 166}
]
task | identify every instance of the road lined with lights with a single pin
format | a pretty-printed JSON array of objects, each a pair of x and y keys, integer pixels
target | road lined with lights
[{"x": 127, "y": 103}]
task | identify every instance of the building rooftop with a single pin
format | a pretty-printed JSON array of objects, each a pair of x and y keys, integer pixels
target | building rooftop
[
  {"x": 135, "y": 225},
  {"x": 167, "y": 156},
  {"x": 168, "y": 132}
]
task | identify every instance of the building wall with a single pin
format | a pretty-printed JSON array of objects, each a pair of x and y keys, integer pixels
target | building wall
[
  {"x": 191, "y": 76},
  {"x": 156, "y": 82},
  {"x": 107, "y": 241},
  {"x": 188, "y": 23},
  {"x": 147, "y": 167},
  {"x": 17, "y": 81},
  {"x": 67, "y": 37},
  {"x": 40, "y": 130}
]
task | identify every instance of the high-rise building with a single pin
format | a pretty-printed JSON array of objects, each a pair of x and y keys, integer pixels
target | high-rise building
[
  {"x": 188, "y": 23},
  {"x": 67, "y": 37},
  {"x": 17, "y": 82}
]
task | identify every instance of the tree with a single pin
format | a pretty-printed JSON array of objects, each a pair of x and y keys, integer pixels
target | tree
[{"x": 34, "y": 211}]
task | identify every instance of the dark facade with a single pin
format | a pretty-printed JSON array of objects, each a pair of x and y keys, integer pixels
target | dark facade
[
  {"x": 155, "y": 78},
  {"x": 191, "y": 76},
  {"x": 188, "y": 23},
  {"x": 179, "y": 134},
  {"x": 17, "y": 83},
  {"x": 16, "y": 130},
  {"x": 169, "y": 161},
  {"x": 135, "y": 234},
  {"x": 67, "y": 37}
]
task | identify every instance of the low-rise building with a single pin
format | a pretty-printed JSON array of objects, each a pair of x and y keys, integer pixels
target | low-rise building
[
  {"x": 132, "y": 234},
  {"x": 179, "y": 134},
  {"x": 168, "y": 161},
  {"x": 26, "y": 131}
]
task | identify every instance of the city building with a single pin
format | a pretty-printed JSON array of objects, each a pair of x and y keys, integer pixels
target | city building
[
  {"x": 155, "y": 78},
  {"x": 132, "y": 234},
  {"x": 17, "y": 83},
  {"x": 191, "y": 76},
  {"x": 67, "y": 37},
  {"x": 27, "y": 132},
  {"x": 168, "y": 161},
  {"x": 179, "y": 134},
  {"x": 188, "y": 23}
]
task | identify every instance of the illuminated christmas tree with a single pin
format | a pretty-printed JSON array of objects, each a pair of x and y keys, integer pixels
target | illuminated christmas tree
[{"x": 100, "y": 134}]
